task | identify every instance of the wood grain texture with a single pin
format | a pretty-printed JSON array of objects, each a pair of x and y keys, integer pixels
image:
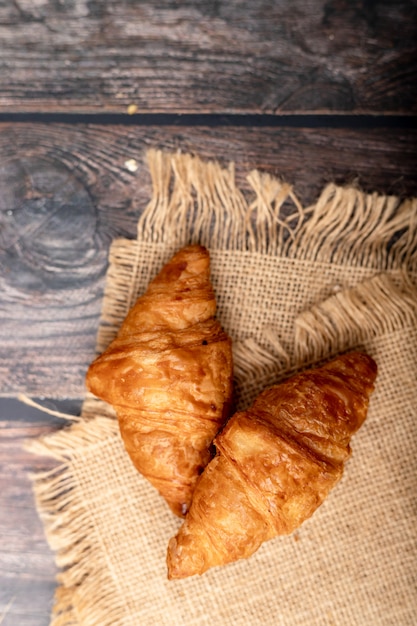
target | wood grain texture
[
  {"x": 27, "y": 568},
  {"x": 65, "y": 193},
  {"x": 209, "y": 56}
]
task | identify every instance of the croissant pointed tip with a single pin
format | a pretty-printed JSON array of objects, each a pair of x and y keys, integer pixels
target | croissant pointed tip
[
  {"x": 193, "y": 249},
  {"x": 182, "y": 559},
  {"x": 173, "y": 572},
  {"x": 191, "y": 263},
  {"x": 359, "y": 356},
  {"x": 358, "y": 364}
]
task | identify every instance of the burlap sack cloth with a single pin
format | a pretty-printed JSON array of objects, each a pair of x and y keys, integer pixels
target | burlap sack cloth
[{"x": 293, "y": 286}]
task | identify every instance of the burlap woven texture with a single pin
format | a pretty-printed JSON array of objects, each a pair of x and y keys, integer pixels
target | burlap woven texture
[{"x": 294, "y": 286}]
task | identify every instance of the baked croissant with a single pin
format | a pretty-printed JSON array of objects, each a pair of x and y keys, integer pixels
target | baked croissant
[
  {"x": 275, "y": 464},
  {"x": 168, "y": 375}
]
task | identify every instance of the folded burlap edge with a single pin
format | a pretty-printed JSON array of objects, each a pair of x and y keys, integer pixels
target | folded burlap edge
[{"x": 342, "y": 322}]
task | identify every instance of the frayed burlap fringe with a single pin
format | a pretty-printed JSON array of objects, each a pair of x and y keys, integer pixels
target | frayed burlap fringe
[
  {"x": 37, "y": 405},
  {"x": 68, "y": 523},
  {"x": 344, "y": 320},
  {"x": 194, "y": 201}
]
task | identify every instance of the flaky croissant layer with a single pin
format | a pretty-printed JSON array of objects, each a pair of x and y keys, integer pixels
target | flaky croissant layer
[
  {"x": 275, "y": 464},
  {"x": 168, "y": 374}
]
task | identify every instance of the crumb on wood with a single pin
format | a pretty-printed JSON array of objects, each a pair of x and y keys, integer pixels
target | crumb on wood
[{"x": 131, "y": 165}]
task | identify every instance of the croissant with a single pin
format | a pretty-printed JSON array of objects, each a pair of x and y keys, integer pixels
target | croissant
[
  {"x": 168, "y": 375},
  {"x": 275, "y": 464}
]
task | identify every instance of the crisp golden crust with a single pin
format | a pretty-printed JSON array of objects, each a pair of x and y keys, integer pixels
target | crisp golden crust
[
  {"x": 275, "y": 464},
  {"x": 168, "y": 375}
]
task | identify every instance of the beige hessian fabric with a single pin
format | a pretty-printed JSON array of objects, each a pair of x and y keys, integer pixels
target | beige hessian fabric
[{"x": 294, "y": 286}]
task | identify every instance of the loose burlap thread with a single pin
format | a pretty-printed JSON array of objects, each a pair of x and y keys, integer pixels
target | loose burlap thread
[{"x": 294, "y": 286}]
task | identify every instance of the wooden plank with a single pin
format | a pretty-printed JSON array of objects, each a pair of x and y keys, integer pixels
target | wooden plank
[
  {"x": 65, "y": 192},
  {"x": 223, "y": 56},
  {"x": 27, "y": 568}
]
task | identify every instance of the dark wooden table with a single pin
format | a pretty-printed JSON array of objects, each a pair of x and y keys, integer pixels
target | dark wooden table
[{"x": 311, "y": 91}]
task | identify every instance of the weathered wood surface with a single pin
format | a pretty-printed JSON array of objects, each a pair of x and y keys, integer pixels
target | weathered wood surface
[
  {"x": 209, "y": 56},
  {"x": 65, "y": 193}
]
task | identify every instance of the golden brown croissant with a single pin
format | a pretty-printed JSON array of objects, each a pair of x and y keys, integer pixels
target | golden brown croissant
[
  {"x": 168, "y": 374},
  {"x": 275, "y": 464}
]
